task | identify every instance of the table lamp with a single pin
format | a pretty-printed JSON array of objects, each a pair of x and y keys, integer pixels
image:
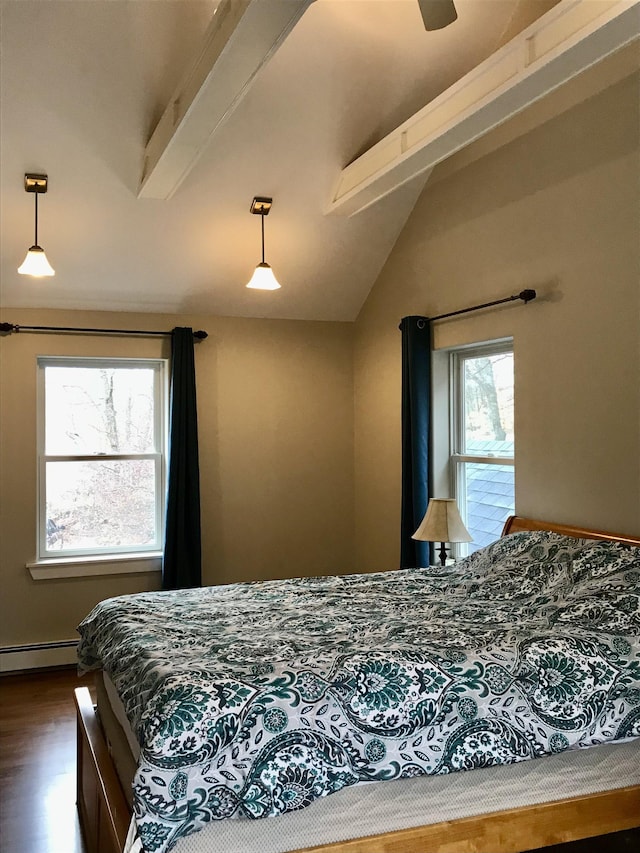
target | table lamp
[{"x": 442, "y": 523}]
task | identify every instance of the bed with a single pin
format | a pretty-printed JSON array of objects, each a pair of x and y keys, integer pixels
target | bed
[{"x": 410, "y": 718}]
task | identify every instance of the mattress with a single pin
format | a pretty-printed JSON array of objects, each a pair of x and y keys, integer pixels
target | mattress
[
  {"x": 376, "y": 808},
  {"x": 121, "y": 742}
]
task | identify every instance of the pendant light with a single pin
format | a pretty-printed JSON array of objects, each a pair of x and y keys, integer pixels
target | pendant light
[
  {"x": 36, "y": 263},
  {"x": 263, "y": 277}
]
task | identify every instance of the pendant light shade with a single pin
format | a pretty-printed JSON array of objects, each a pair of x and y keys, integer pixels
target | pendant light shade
[
  {"x": 263, "y": 277},
  {"x": 36, "y": 263}
]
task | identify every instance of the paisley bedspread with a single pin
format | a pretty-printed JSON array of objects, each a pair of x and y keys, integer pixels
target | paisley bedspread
[{"x": 255, "y": 699}]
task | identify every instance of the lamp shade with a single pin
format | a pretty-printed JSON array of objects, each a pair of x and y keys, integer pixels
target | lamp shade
[
  {"x": 442, "y": 523},
  {"x": 263, "y": 278},
  {"x": 36, "y": 264}
]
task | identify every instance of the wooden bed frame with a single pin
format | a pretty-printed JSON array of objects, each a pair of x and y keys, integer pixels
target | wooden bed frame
[{"x": 105, "y": 814}]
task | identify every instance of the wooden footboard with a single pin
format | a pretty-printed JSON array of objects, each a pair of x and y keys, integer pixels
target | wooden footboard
[
  {"x": 102, "y": 807},
  {"x": 510, "y": 831}
]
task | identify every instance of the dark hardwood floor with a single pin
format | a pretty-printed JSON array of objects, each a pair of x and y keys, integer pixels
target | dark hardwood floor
[
  {"x": 37, "y": 763},
  {"x": 37, "y": 770}
]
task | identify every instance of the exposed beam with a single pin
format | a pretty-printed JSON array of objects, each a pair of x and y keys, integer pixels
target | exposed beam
[
  {"x": 565, "y": 41},
  {"x": 239, "y": 42}
]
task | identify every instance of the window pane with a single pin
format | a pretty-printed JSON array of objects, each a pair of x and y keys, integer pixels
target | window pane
[
  {"x": 490, "y": 499},
  {"x": 102, "y": 504},
  {"x": 488, "y": 404},
  {"x": 99, "y": 410}
]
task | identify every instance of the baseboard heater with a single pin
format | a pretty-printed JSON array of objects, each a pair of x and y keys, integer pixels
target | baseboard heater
[{"x": 38, "y": 655}]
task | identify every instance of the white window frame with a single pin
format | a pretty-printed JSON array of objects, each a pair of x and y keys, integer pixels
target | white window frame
[
  {"x": 159, "y": 456},
  {"x": 458, "y": 456}
]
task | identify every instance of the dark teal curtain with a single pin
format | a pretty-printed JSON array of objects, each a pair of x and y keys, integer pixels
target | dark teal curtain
[
  {"x": 182, "y": 563},
  {"x": 416, "y": 438}
]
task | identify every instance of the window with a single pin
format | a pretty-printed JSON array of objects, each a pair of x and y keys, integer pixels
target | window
[
  {"x": 482, "y": 440},
  {"x": 101, "y": 456}
]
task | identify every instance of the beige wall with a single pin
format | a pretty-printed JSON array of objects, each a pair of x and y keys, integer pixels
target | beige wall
[
  {"x": 557, "y": 210},
  {"x": 275, "y": 416}
]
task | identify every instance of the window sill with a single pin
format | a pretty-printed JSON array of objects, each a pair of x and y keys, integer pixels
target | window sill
[{"x": 83, "y": 567}]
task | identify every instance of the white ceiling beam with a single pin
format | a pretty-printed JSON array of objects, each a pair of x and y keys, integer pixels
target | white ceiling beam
[
  {"x": 239, "y": 42},
  {"x": 565, "y": 41}
]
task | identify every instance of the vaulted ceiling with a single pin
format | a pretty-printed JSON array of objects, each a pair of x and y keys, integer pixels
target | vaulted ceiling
[{"x": 84, "y": 83}]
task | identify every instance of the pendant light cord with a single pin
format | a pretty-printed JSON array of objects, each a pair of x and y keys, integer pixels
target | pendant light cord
[
  {"x": 262, "y": 221},
  {"x": 36, "y": 228}
]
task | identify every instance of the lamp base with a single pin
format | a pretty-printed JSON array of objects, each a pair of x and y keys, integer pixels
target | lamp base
[{"x": 443, "y": 554}]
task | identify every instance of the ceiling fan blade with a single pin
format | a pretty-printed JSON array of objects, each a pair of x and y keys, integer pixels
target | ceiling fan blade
[{"x": 437, "y": 14}]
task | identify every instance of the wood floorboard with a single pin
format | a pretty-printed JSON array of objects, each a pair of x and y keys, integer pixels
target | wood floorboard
[{"x": 38, "y": 765}]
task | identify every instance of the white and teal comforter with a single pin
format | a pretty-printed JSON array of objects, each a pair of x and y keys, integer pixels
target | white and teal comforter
[{"x": 251, "y": 700}]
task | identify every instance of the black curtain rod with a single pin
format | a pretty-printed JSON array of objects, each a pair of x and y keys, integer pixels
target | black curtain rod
[
  {"x": 8, "y": 328},
  {"x": 525, "y": 295}
]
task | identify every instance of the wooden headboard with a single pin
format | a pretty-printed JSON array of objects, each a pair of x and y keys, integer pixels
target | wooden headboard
[{"x": 516, "y": 523}]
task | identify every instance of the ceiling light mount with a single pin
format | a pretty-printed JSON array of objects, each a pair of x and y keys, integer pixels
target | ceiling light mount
[
  {"x": 36, "y": 183},
  {"x": 437, "y": 14},
  {"x": 263, "y": 277},
  {"x": 36, "y": 263},
  {"x": 261, "y": 205}
]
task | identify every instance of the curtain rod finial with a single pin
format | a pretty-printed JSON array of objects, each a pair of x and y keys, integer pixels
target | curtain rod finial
[
  {"x": 527, "y": 295},
  {"x": 7, "y": 328},
  {"x": 200, "y": 335}
]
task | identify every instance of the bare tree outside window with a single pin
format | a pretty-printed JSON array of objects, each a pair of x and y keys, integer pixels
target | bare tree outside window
[
  {"x": 484, "y": 440},
  {"x": 101, "y": 461},
  {"x": 488, "y": 389}
]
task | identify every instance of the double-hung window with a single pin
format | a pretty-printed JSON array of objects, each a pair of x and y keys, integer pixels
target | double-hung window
[
  {"x": 101, "y": 456},
  {"x": 482, "y": 439}
]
